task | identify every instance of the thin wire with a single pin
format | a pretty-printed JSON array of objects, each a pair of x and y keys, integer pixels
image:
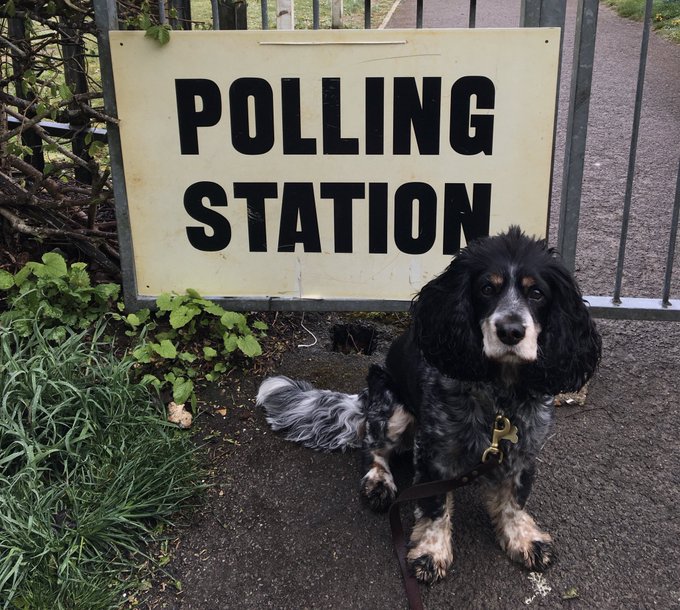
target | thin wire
[{"x": 302, "y": 323}]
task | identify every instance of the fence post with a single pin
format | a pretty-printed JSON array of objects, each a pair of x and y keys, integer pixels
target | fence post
[
  {"x": 17, "y": 34},
  {"x": 547, "y": 13},
  {"x": 285, "y": 14},
  {"x": 73, "y": 50},
  {"x": 336, "y": 13},
  {"x": 233, "y": 14},
  {"x": 577, "y": 130},
  {"x": 106, "y": 19}
]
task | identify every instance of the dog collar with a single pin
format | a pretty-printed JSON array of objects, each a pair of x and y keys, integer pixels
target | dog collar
[{"x": 502, "y": 429}]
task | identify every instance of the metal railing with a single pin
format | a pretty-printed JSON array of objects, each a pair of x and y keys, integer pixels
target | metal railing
[{"x": 534, "y": 13}]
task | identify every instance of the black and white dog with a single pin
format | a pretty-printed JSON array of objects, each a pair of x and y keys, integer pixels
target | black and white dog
[{"x": 501, "y": 331}]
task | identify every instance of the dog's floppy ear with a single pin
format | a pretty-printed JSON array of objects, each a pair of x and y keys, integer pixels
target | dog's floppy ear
[
  {"x": 444, "y": 324},
  {"x": 569, "y": 344}
]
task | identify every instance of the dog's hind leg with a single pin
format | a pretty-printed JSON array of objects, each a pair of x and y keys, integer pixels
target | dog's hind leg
[
  {"x": 387, "y": 422},
  {"x": 517, "y": 532}
]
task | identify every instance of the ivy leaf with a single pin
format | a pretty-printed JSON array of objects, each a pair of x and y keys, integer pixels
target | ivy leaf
[
  {"x": 209, "y": 352},
  {"x": 249, "y": 346}
]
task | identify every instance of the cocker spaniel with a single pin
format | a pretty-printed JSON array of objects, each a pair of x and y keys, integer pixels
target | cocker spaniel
[{"x": 501, "y": 331}]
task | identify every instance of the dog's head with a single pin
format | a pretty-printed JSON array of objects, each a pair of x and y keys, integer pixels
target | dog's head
[{"x": 508, "y": 303}]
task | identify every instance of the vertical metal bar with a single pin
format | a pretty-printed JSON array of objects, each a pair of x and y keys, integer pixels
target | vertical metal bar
[
  {"x": 671, "y": 244},
  {"x": 473, "y": 14},
  {"x": 530, "y": 13},
  {"x": 419, "y": 13},
  {"x": 215, "y": 14},
  {"x": 106, "y": 19},
  {"x": 73, "y": 50},
  {"x": 17, "y": 33},
  {"x": 547, "y": 13},
  {"x": 577, "y": 129},
  {"x": 265, "y": 14},
  {"x": 633, "y": 152},
  {"x": 367, "y": 14},
  {"x": 162, "y": 16},
  {"x": 315, "y": 14}
]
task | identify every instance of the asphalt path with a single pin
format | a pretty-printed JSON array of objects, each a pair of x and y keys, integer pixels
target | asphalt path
[{"x": 284, "y": 527}]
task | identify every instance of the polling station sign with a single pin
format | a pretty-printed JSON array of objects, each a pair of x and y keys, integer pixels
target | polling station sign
[{"x": 329, "y": 167}]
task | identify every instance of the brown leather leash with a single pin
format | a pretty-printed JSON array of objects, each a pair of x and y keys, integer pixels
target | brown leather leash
[{"x": 502, "y": 430}]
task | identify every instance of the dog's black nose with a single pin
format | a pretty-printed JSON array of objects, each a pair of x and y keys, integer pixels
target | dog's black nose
[{"x": 510, "y": 330}]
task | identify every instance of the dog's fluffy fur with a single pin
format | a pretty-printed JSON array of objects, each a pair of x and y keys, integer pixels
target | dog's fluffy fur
[{"x": 501, "y": 331}]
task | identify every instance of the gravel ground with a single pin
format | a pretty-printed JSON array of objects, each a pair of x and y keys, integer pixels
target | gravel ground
[{"x": 284, "y": 527}]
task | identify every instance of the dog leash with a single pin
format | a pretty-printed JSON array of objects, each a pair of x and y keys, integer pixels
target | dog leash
[{"x": 503, "y": 429}]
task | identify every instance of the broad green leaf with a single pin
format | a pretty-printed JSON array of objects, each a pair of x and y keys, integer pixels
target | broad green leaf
[
  {"x": 79, "y": 278},
  {"x": 249, "y": 346},
  {"x": 142, "y": 354},
  {"x": 260, "y": 325},
  {"x": 152, "y": 380},
  {"x": 54, "y": 266},
  {"x": 183, "y": 315},
  {"x": 165, "y": 349},
  {"x": 65, "y": 92},
  {"x": 230, "y": 342},
  {"x": 233, "y": 318},
  {"x": 182, "y": 389},
  {"x": 6, "y": 280},
  {"x": 23, "y": 273},
  {"x": 107, "y": 291},
  {"x": 193, "y": 293},
  {"x": 209, "y": 353},
  {"x": 187, "y": 357},
  {"x": 164, "y": 302},
  {"x": 133, "y": 319},
  {"x": 214, "y": 309}
]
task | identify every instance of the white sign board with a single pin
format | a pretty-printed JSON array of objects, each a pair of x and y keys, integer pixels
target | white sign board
[{"x": 342, "y": 166}]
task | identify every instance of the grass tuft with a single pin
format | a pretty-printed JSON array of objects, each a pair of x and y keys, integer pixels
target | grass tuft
[
  {"x": 88, "y": 467},
  {"x": 665, "y": 15}
]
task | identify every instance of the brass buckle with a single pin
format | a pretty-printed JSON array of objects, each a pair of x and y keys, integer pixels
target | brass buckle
[{"x": 502, "y": 429}]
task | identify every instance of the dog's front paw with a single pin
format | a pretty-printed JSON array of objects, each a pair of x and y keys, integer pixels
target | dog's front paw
[
  {"x": 431, "y": 551},
  {"x": 426, "y": 568},
  {"x": 540, "y": 555},
  {"x": 536, "y": 554},
  {"x": 378, "y": 493}
]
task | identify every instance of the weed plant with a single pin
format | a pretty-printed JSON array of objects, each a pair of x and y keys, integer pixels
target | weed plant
[{"x": 88, "y": 467}]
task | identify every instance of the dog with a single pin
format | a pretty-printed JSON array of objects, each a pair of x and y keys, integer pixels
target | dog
[{"x": 500, "y": 332}]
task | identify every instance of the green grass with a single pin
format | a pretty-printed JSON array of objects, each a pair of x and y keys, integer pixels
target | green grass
[
  {"x": 665, "y": 15},
  {"x": 88, "y": 468}
]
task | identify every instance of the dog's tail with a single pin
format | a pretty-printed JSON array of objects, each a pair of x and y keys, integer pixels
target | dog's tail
[{"x": 319, "y": 419}]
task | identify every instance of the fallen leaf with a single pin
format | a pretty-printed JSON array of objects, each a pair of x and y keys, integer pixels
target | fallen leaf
[{"x": 177, "y": 414}]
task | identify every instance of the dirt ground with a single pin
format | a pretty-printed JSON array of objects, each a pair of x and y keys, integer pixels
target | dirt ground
[{"x": 283, "y": 526}]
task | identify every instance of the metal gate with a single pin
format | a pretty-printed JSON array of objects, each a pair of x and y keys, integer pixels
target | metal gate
[{"x": 654, "y": 305}]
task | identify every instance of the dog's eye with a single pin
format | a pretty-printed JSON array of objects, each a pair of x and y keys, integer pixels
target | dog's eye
[
  {"x": 535, "y": 294},
  {"x": 488, "y": 290}
]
